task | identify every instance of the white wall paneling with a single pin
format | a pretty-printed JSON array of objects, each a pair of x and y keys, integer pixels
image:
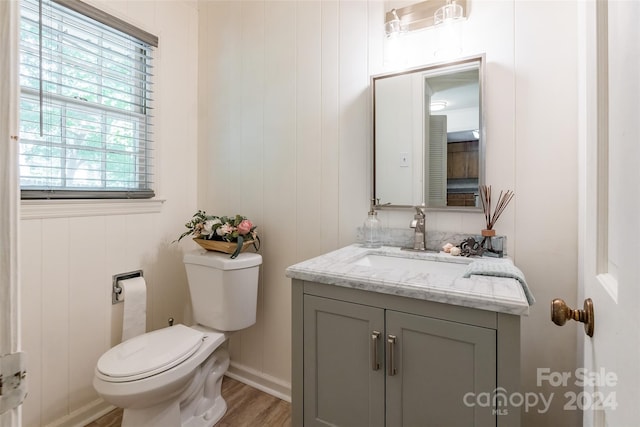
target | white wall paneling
[
  {"x": 279, "y": 184},
  {"x": 546, "y": 209},
  {"x": 33, "y": 315},
  {"x": 329, "y": 127}
]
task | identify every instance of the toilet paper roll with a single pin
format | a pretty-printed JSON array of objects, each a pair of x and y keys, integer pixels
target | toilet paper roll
[{"x": 134, "y": 321}]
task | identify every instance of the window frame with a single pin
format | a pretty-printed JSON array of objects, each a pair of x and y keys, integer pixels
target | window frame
[{"x": 142, "y": 118}]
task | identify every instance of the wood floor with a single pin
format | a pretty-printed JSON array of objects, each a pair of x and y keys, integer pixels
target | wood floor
[{"x": 246, "y": 406}]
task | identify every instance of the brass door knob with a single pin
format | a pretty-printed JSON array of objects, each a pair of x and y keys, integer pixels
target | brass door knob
[{"x": 560, "y": 313}]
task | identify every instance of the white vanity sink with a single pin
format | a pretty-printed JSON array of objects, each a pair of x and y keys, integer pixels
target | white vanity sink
[
  {"x": 431, "y": 276},
  {"x": 416, "y": 265}
]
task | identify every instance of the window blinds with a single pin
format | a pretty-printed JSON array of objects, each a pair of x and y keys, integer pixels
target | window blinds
[{"x": 86, "y": 102}]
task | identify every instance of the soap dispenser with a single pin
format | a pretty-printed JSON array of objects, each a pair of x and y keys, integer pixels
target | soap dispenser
[{"x": 372, "y": 228}]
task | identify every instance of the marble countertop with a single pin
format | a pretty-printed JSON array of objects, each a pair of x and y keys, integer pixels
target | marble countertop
[{"x": 340, "y": 268}]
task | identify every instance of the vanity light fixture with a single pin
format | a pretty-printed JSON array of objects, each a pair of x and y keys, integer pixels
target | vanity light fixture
[
  {"x": 438, "y": 105},
  {"x": 451, "y": 11},
  {"x": 423, "y": 15},
  {"x": 449, "y": 35},
  {"x": 393, "y": 27}
]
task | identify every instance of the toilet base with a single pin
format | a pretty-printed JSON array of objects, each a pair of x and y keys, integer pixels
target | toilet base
[{"x": 200, "y": 405}]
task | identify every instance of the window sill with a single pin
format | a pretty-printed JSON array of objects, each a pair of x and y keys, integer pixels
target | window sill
[{"x": 42, "y": 209}]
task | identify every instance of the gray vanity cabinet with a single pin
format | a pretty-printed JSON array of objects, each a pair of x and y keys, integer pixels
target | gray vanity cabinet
[
  {"x": 341, "y": 388},
  {"x": 435, "y": 364},
  {"x": 366, "y": 359}
]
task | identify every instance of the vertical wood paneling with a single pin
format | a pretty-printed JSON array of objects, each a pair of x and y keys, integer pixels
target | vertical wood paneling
[
  {"x": 251, "y": 89},
  {"x": 220, "y": 138},
  {"x": 174, "y": 103},
  {"x": 117, "y": 261},
  {"x": 55, "y": 319},
  {"x": 87, "y": 311},
  {"x": 308, "y": 129},
  {"x": 540, "y": 75},
  {"x": 279, "y": 181},
  {"x": 68, "y": 318},
  {"x": 168, "y": 284},
  {"x": 354, "y": 123},
  {"x": 330, "y": 114},
  {"x": 301, "y": 77},
  {"x": 375, "y": 33},
  {"x": 140, "y": 255},
  {"x": 32, "y": 315}
]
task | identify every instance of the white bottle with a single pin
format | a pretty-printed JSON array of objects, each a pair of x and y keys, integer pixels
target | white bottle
[{"x": 372, "y": 229}]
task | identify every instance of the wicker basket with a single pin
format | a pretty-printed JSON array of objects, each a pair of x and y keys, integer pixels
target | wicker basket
[{"x": 222, "y": 246}]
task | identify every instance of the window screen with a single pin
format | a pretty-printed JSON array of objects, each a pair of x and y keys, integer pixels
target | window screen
[{"x": 85, "y": 105}]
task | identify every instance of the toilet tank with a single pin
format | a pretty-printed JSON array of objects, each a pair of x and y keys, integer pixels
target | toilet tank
[{"x": 224, "y": 291}]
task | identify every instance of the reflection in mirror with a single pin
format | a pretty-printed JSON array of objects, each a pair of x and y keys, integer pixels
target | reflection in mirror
[{"x": 428, "y": 135}]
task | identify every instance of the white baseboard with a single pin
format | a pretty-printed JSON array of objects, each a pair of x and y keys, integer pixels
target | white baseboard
[
  {"x": 85, "y": 415},
  {"x": 263, "y": 382}
]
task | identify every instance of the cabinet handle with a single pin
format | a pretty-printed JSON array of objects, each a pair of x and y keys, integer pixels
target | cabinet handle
[
  {"x": 375, "y": 365},
  {"x": 391, "y": 349}
]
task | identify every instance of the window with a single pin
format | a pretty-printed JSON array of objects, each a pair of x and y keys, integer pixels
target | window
[{"x": 85, "y": 104}]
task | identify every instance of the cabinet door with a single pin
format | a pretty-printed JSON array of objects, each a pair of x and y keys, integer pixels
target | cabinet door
[
  {"x": 341, "y": 386},
  {"x": 463, "y": 160},
  {"x": 436, "y": 364}
]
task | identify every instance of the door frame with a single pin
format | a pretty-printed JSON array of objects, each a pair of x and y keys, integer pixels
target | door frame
[{"x": 9, "y": 190}]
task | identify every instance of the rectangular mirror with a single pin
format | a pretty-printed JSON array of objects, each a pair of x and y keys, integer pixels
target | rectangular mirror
[{"x": 428, "y": 138}]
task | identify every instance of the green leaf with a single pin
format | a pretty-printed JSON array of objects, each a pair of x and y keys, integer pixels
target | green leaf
[{"x": 238, "y": 247}]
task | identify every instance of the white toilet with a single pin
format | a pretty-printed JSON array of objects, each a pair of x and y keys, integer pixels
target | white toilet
[{"x": 172, "y": 376}]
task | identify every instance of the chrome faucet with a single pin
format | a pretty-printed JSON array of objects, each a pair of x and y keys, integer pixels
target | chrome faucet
[{"x": 420, "y": 230}]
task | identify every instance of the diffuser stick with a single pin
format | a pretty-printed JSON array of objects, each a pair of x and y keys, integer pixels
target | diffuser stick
[{"x": 503, "y": 201}]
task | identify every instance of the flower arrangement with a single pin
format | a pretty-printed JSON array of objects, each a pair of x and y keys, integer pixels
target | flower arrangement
[{"x": 235, "y": 229}]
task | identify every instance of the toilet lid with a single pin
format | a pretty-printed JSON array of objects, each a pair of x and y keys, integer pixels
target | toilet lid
[{"x": 151, "y": 353}]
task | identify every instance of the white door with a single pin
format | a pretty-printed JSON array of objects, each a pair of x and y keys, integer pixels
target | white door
[{"x": 610, "y": 213}]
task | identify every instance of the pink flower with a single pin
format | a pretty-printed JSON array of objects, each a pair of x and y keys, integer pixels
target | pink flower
[{"x": 244, "y": 227}]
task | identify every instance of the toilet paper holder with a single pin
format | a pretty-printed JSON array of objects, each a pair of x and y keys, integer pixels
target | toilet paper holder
[{"x": 117, "y": 289}]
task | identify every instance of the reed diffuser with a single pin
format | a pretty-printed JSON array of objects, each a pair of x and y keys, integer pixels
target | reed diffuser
[{"x": 491, "y": 218}]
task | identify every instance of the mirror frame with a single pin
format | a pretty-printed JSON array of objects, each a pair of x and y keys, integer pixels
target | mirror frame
[{"x": 480, "y": 58}]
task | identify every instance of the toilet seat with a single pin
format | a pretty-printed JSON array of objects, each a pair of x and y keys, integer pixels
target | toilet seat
[{"x": 149, "y": 354}]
